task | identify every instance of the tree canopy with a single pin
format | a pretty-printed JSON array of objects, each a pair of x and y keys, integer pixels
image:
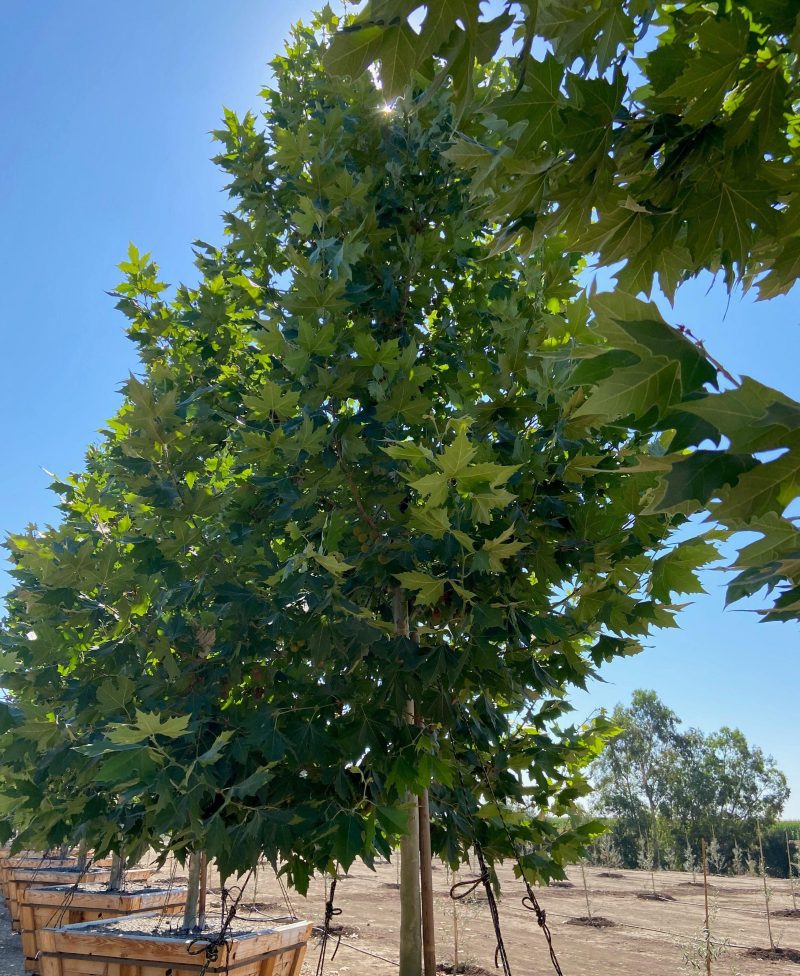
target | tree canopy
[
  {"x": 370, "y": 458},
  {"x": 659, "y": 140}
]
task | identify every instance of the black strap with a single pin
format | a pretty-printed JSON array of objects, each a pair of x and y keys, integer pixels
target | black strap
[
  {"x": 330, "y": 914},
  {"x": 468, "y": 886},
  {"x": 529, "y": 901}
]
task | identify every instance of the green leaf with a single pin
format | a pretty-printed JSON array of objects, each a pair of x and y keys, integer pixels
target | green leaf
[
  {"x": 253, "y": 783},
  {"x": 697, "y": 477},
  {"x": 429, "y": 589},
  {"x": 273, "y": 401},
  {"x": 434, "y": 521},
  {"x": 709, "y": 76},
  {"x": 456, "y": 456},
  {"x": 349, "y": 838},
  {"x": 499, "y": 549},
  {"x": 434, "y": 487},
  {"x": 633, "y": 391},
  {"x": 115, "y": 695},
  {"x": 354, "y": 50},
  {"x": 147, "y": 725},
  {"x": 537, "y": 104},
  {"x": 771, "y": 486},
  {"x": 398, "y": 56},
  {"x": 408, "y": 451},
  {"x": 333, "y": 563},
  {"x": 743, "y": 416},
  {"x": 675, "y": 571},
  {"x": 392, "y": 820},
  {"x": 212, "y": 754}
]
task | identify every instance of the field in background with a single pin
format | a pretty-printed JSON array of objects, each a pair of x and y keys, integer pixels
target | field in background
[{"x": 647, "y": 936}]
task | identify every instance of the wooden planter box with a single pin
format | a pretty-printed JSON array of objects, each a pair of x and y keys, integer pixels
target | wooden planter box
[
  {"x": 86, "y": 950},
  {"x": 30, "y": 860},
  {"x": 59, "y": 905},
  {"x": 20, "y": 879}
]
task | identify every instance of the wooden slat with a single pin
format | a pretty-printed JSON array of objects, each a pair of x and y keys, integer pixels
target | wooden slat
[
  {"x": 82, "y": 950},
  {"x": 55, "y": 914}
]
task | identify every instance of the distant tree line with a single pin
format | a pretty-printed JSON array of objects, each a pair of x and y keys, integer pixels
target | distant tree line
[{"x": 664, "y": 789}]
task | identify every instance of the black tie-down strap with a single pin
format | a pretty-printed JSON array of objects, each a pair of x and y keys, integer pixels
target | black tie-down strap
[
  {"x": 330, "y": 914},
  {"x": 464, "y": 888},
  {"x": 530, "y": 902}
]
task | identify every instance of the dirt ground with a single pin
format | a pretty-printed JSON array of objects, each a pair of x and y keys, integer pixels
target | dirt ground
[{"x": 648, "y": 937}]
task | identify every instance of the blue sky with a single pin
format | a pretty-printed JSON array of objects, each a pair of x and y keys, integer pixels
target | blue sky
[{"x": 105, "y": 140}]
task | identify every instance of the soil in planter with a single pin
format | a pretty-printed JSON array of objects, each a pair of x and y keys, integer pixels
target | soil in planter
[
  {"x": 169, "y": 927},
  {"x": 775, "y": 955},
  {"x": 650, "y": 896},
  {"x": 595, "y": 922},
  {"x": 101, "y": 887}
]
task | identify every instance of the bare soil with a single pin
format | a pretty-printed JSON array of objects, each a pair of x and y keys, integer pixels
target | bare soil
[
  {"x": 595, "y": 922},
  {"x": 792, "y": 955},
  {"x": 648, "y": 937},
  {"x": 11, "y": 963}
]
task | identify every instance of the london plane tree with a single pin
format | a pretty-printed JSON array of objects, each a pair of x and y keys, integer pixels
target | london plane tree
[{"x": 361, "y": 521}]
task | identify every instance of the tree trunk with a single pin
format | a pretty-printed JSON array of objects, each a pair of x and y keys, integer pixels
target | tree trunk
[
  {"x": 410, "y": 904},
  {"x": 201, "y": 895},
  {"x": 83, "y": 858},
  {"x": 192, "y": 893},
  {"x": 117, "y": 871},
  {"x": 426, "y": 887}
]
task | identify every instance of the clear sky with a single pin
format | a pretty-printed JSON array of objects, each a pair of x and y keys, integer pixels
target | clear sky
[{"x": 105, "y": 140}]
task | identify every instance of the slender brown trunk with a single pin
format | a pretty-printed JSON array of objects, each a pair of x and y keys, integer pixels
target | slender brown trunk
[
  {"x": 192, "y": 893},
  {"x": 426, "y": 887},
  {"x": 117, "y": 870},
  {"x": 705, "y": 893},
  {"x": 766, "y": 890},
  {"x": 83, "y": 857},
  {"x": 586, "y": 893},
  {"x": 201, "y": 894},
  {"x": 410, "y": 906},
  {"x": 455, "y": 928}
]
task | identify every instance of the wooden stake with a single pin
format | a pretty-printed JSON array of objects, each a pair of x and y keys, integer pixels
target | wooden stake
[
  {"x": 586, "y": 893},
  {"x": 455, "y": 929},
  {"x": 410, "y": 906},
  {"x": 766, "y": 890},
  {"x": 426, "y": 887},
  {"x": 705, "y": 893},
  {"x": 791, "y": 882},
  {"x": 201, "y": 894}
]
